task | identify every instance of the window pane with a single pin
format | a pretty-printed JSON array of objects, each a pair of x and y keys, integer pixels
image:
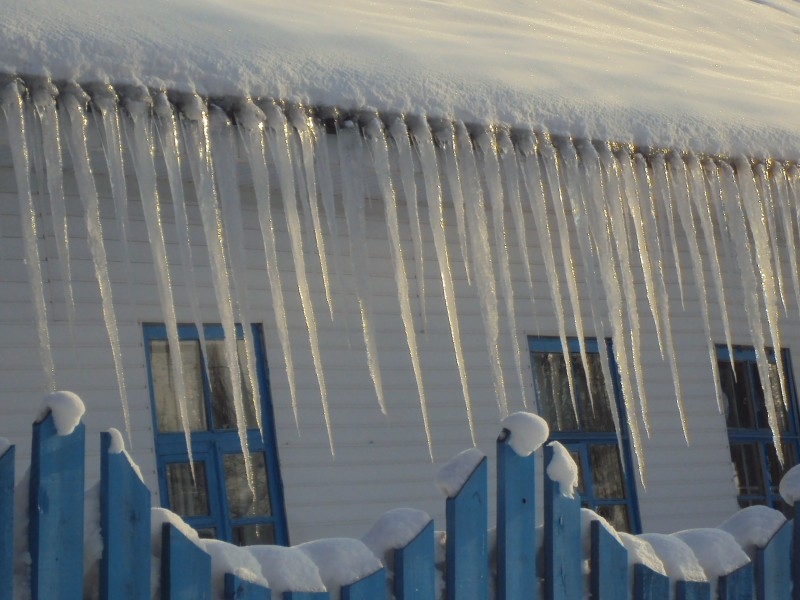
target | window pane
[
  {"x": 207, "y": 533},
  {"x": 552, "y": 387},
  {"x": 606, "y": 472},
  {"x": 597, "y": 416},
  {"x": 167, "y": 413},
  {"x": 749, "y": 476},
  {"x": 616, "y": 515},
  {"x": 736, "y": 391},
  {"x": 254, "y": 535},
  {"x": 775, "y": 386},
  {"x": 240, "y": 498},
  {"x": 222, "y": 404},
  {"x": 187, "y": 498}
]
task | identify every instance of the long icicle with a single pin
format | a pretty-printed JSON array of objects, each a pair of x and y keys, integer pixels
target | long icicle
[
  {"x": 768, "y": 204},
  {"x": 778, "y": 176}
]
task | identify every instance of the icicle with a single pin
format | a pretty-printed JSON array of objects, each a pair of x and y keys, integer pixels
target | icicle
[
  {"x": 73, "y": 104},
  {"x": 491, "y": 168},
  {"x": 778, "y": 177},
  {"x": 142, "y": 152},
  {"x": 251, "y": 119},
  {"x": 380, "y": 160},
  {"x": 278, "y": 135},
  {"x": 737, "y": 222},
  {"x": 399, "y": 133},
  {"x": 663, "y": 202},
  {"x": 433, "y": 192},
  {"x": 44, "y": 101},
  {"x": 15, "y": 120},
  {"x": 717, "y": 205},
  {"x": 224, "y": 154},
  {"x": 348, "y": 140},
  {"x": 768, "y": 204},
  {"x": 447, "y": 144},
  {"x": 534, "y": 189},
  {"x": 198, "y": 142}
]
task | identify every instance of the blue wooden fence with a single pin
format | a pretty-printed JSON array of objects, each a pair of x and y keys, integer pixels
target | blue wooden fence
[{"x": 55, "y": 538}]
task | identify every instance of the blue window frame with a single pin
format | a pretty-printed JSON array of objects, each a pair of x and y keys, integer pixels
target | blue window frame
[
  {"x": 758, "y": 470},
  {"x": 218, "y": 502},
  {"x": 605, "y": 474}
]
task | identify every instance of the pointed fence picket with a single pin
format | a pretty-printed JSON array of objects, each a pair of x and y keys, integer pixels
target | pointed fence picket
[{"x": 55, "y": 542}]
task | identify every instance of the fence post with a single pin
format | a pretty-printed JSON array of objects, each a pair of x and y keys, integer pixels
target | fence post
[
  {"x": 415, "y": 568},
  {"x": 649, "y": 585},
  {"x": 467, "y": 544},
  {"x": 185, "y": 568},
  {"x": 609, "y": 564},
  {"x": 125, "y": 526},
  {"x": 737, "y": 585},
  {"x": 306, "y": 596},
  {"x": 371, "y": 587},
  {"x": 55, "y": 509},
  {"x": 563, "y": 549},
  {"x": 692, "y": 590},
  {"x": 796, "y": 552},
  {"x": 237, "y": 588},
  {"x": 516, "y": 523},
  {"x": 6, "y": 523},
  {"x": 773, "y": 566}
]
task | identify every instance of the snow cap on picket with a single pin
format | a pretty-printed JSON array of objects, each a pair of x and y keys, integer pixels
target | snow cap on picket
[
  {"x": 454, "y": 474},
  {"x": 528, "y": 432},
  {"x": 563, "y": 470},
  {"x": 790, "y": 485},
  {"x": 67, "y": 409}
]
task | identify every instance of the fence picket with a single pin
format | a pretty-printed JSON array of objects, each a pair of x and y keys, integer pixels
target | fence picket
[
  {"x": 649, "y": 585},
  {"x": 55, "y": 509},
  {"x": 125, "y": 526},
  {"x": 185, "y": 568},
  {"x": 516, "y": 523},
  {"x": 773, "y": 569},
  {"x": 737, "y": 585},
  {"x": 796, "y": 552},
  {"x": 692, "y": 590},
  {"x": 306, "y": 596},
  {"x": 467, "y": 545},
  {"x": 609, "y": 564},
  {"x": 6, "y": 523},
  {"x": 415, "y": 568},
  {"x": 371, "y": 587},
  {"x": 237, "y": 588}
]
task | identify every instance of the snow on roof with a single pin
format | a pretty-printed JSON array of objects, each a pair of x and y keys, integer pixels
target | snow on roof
[{"x": 720, "y": 76}]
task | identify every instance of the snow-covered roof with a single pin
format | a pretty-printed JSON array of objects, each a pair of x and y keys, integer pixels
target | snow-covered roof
[{"x": 720, "y": 76}]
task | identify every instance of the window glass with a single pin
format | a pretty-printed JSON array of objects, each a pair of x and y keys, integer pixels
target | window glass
[
  {"x": 222, "y": 400},
  {"x": 552, "y": 387},
  {"x": 606, "y": 471},
  {"x": 186, "y": 497},
  {"x": 595, "y": 410},
  {"x": 241, "y": 500},
  {"x": 616, "y": 515},
  {"x": 167, "y": 411},
  {"x": 254, "y": 535}
]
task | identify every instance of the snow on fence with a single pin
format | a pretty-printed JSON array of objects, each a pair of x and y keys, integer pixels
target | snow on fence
[{"x": 59, "y": 565}]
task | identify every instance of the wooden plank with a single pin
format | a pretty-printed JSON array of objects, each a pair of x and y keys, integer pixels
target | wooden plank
[
  {"x": 237, "y": 588},
  {"x": 796, "y": 553},
  {"x": 467, "y": 545},
  {"x": 649, "y": 585},
  {"x": 415, "y": 567},
  {"x": 516, "y": 523},
  {"x": 125, "y": 527},
  {"x": 737, "y": 585},
  {"x": 185, "y": 568},
  {"x": 55, "y": 508},
  {"x": 692, "y": 590},
  {"x": 306, "y": 596},
  {"x": 609, "y": 565},
  {"x": 371, "y": 587},
  {"x": 773, "y": 569},
  {"x": 563, "y": 549},
  {"x": 6, "y": 523}
]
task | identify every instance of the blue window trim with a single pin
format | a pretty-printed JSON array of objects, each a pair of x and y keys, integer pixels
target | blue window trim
[
  {"x": 579, "y": 441},
  {"x": 760, "y": 436},
  {"x": 212, "y": 445}
]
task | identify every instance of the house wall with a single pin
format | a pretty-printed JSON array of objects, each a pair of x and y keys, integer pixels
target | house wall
[{"x": 381, "y": 461}]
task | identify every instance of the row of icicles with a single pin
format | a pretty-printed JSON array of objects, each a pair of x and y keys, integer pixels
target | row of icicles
[{"x": 610, "y": 207}]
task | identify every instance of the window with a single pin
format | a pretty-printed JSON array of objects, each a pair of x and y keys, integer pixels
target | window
[
  {"x": 218, "y": 503},
  {"x": 605, "y": 484},
  {"x": 758, "y": 470}
]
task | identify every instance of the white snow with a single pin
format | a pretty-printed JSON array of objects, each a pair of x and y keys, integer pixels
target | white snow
[
  {"x": 753, "y": 527},
  {"x": 640, "y": 552},
  {"x": 563, "y": 470},
  {"x": 587, "y": 517},
  {"x": 341, "y": 561},
  {"x": 679, "y": 560},
  {"x": 67, "y": 409},
  {"x": 715, "y": 550},
  {"x": 117, "y": 445},
  {"x": 527, "y": 432},
  {"x": 454, "y": 474},
  {"x": 5, "y": 444},
  {"x": 790, "y": 485},
  {"x": 159, "y": 516},
  {"x": 227, "y": 558},
  {"x": 393, "y": 530},
  {"x": 287, "y": 569}
]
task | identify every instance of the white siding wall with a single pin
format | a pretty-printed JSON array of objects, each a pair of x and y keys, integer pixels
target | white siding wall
[{"x": 381, "y": 461}]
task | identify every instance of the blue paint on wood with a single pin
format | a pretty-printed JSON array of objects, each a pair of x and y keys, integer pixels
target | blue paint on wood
[
  {"x": 773, "y": 566},
  {"x": 692, "y": 590},
  {"x": 563, "y": 549},
  {"x": 415, "y": 567},
  {"x": 467, "y": 546},
  {"x": 125, "y": 527},
  {"x": 649, "y": 585},
  {"x": 796, "y": 553},
  {"x": 305, "y": 596},
  {"x": 6, "y": 523},
  {"x": 185, "y": 568},
  {"x": 237, "y": 588},
  {"x": 516, "y": 523},
  {"x": 55, "y": 508},
  {"x": 609, "y": 561},
  {"x": 737, "y": 585},
  {"x": 371, "y": 587}
]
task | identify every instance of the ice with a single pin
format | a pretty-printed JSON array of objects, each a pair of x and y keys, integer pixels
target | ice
[
  {"x": 679, "y": 561},
  {"x": 380, "y": 159},
  {"x": 433, "y": 191},
  {"x": 779, "y": 180},
  {"x": 754, "y": 526},
  {"x": 227, "y": 558},
  {"x": 663, "y": 193},
  {"x": 393, "y": 530},
  {"x": 287, "y": 569},
  {"x": 13, "y": 109},
  {"x": 790, "y": 486},
  {"x": 716, "y": 551},
  {"x": 277, "y": 134},
  {"x": 341, "y": 561},
  {"x": 527, "y": 432},
  {"x": 767, "y": 201},
  {"x": 452, "y": 476},
  {"x": 67, "y": 409},
  {"x": 141, "y": 141},
  {"x": 73, "y": 104},
  {"x": 400, "y": 135}
]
